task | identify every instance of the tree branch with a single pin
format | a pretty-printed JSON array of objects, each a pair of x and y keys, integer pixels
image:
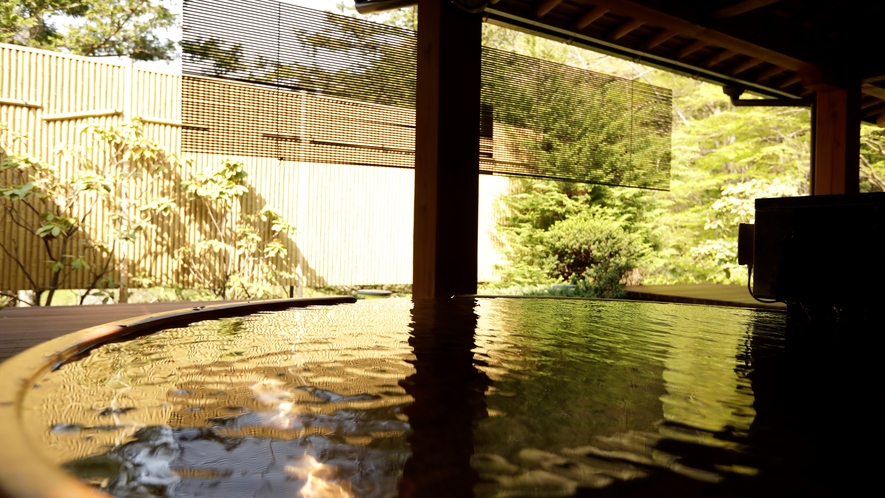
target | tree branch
[{"x": 91, "y": 50}]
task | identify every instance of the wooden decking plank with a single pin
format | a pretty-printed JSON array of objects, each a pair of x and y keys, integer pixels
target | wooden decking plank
[{"x": 22, "y": 328}]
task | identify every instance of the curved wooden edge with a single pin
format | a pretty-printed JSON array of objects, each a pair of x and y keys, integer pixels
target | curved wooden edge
[
  {"x": 23, "y": 471},
  {"x": 649, "y": 298}
]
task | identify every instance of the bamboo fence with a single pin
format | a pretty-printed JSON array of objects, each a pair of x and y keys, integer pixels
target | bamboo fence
[{"x": 354, "y": 221}]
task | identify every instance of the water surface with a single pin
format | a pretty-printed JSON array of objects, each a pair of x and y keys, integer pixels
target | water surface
[{"x": 489, "y": 397}]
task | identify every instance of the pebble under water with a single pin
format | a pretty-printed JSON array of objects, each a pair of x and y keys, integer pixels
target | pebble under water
[{"x": 486, "y": 397}]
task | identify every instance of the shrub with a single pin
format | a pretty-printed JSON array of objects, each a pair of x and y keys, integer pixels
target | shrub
[
  {"x": 593, "y": 251},
  {"x": 241, "y": 255}
]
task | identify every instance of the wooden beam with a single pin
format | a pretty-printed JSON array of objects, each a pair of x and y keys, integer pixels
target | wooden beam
[
  {"x": 721, "y": 56},
  {"x": 161, "y": 121},
  {"x": 872, "y": 69},
  {"x": 874, "y": 111},
  {"x": 446, "y": 151},
  {"x": 790, "y": 81},
  {"x": 768, "y": 73},
  {"x": 589, "y": 18},
  {"x": 689, "y": 29},
  {"x": 869, "y": 101},
  {"x": 690, "y": 49},
  {"x": 545, "y": 7},
  {"x": 97, "y": 113},
  {"x": 743, "y": 66},
  {"x": 836, "y": 141},
  {"x": 624, "y": 29},
  {"x": 740, "y": 8},
  {"x": 875, "y": 91},
  {"x": 659, "y": 38}
]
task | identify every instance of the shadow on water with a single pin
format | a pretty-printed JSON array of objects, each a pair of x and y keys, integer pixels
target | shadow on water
[
  {"x": 820, "y": 401},
  {"x": 448, "y": 393},
  {"x": 804, "y": 418}
]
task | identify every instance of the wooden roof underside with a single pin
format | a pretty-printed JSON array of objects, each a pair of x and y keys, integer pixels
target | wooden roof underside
[{"x": 776, "y": 48}]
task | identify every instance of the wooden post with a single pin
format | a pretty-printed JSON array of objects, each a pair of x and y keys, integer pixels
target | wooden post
[
  {"x": 447, "y": 151},
  {"x": 836, "y": 141}
]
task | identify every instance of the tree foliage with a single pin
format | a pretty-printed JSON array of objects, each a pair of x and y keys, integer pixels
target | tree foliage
[
  {"x": 132, "y": 28},
  {"x": 594, "y": 251},
  {"x": 588, "y": 235},
  {"x": 872, "y": 159},
  {"x": 722, "y": 159},
  {"x": 561, "y": 122}
]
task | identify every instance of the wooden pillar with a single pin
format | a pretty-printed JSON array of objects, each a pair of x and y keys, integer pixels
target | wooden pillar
[
  {"x": 446, "y": 151},
  {"x": 836, "y": 141}
]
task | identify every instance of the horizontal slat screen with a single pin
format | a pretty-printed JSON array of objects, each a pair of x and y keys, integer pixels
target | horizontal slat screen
[{"x": 327, "y": 88}]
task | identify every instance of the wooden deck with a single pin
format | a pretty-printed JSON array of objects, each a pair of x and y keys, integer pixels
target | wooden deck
[
  {"x": 711, "y": 294},
  {"x": 21, "y": 328}
]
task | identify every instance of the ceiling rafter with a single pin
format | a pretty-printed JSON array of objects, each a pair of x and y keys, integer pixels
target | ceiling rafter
[
  {"x": 721, "y": 56},
  {"x": 789, "y": 81},
  {"x": 545, "y": 7},
  {"x": 869, "y": 101},
  {"x": 874, "y": 111},
  {"x": 659, "y": 19},
  {"x": 768, "y": 73},
  {"x": 589, "y": 17},
  {"x": 657, "y": 39},
  {"x": 625, "y": 28},
  {"x": 743, "y": 66},
  {"x": 739, "y": 8},
  {"x": 741, "y": 42},
  {"x": 873, "y": 90},
  {"x": 690, "y": 49}
]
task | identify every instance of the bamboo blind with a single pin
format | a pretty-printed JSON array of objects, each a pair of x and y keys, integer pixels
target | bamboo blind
[{"x": 335, "y": 89}]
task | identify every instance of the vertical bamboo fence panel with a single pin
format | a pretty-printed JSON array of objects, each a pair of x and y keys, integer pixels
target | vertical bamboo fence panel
[
  {"x": 354, "y": 222},
  {"x": 47, "y": 97}
]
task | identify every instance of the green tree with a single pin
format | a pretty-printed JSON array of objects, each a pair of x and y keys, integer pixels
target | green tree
[
  {"x": 872, "y": 159},
  {"x": 723, "y": 158},
  {"x": 223, "y": 60},
  {"x": 563, "y": 122},
  {"x": 595, "y": 236},
  {"x": 130, "y": 28},
  {"x": 715, "y": 256}
]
